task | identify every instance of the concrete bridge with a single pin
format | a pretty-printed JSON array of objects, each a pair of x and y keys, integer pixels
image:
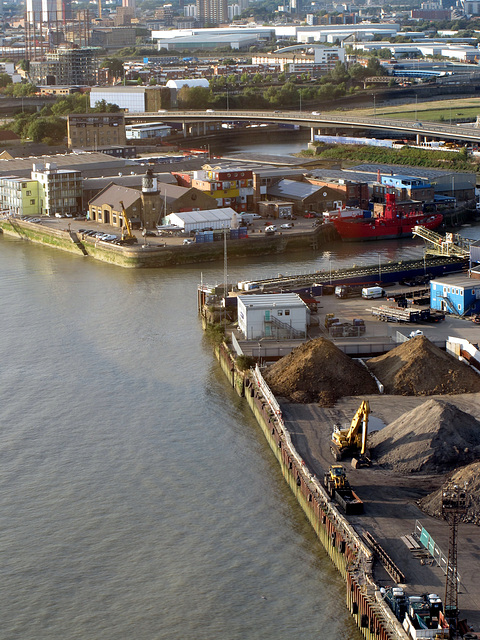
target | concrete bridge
[{"x": 423, "y": 131}]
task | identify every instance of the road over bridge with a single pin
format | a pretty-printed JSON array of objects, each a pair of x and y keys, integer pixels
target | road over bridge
[{"x": 423, "y": 130}]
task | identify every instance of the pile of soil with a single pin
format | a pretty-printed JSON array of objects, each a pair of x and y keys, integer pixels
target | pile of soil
[
  {"x": 419, "y": 368},
  {"x": 436, "y": 437},
  {"x": 318, "y": 371},
  {"x": 468, "y": 477}
]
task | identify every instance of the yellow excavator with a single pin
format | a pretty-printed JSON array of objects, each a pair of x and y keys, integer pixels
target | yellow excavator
[
  {"x": 352, "y": 441},
  {"x": 127, "y": 236}
]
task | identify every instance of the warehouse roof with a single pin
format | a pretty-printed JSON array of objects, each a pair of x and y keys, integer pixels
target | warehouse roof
[
  {"x": 293, "y": 189},
  {"x": 83, "y": 162},
  {"x": 114, "y": 194},
  {"x": 271, "y": 300}
]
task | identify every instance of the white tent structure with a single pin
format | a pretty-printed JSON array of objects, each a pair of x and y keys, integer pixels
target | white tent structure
[
  {"x": 205, "y": 219},
  {"x": 189, "y": 82}
]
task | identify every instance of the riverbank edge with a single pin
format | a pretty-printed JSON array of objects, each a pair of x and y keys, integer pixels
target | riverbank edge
[
  {"x": 349, "y": 554},
  {"x": 149, "y": 256}
]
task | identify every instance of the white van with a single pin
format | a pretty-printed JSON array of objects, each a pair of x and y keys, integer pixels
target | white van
[{"x": 372, "y": 292}]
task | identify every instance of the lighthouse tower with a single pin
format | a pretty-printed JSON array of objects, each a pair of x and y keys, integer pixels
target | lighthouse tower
[{"x": 151, "y": 201}]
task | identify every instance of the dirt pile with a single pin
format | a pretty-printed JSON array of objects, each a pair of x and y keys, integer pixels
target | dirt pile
[
  {"x": 468, "y": 477},
  {"x": 419, "y": 368},
  {"x": 318, "y": 371},
  {"x": 436, "y": 437}
]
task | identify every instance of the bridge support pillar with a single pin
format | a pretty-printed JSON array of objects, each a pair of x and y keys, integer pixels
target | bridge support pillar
[
  {"x": 184, "y": 129},
  {"x": 417, "y": 141},
  {"x": 204, "y": 128},
  {"x": 312, "y": 134}
]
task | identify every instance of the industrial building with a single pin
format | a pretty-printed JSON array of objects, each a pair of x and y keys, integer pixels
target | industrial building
[
  {"x": 279, "y": 316},
  {"x": 95, "y": 130},
  {"x": 456, "y": 295},
  {"x": 147, "y": 131},
  {"x": 142, "y": 208},
  {"x": 133, "y": 99},
  {"x": 307, "y": 197}
]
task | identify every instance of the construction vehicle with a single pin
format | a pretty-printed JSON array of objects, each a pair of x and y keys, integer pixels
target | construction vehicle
[
  {"x": 352, "y": 441},
  {"x": 127, "y": 236},
  {"x": 339, "y": 489}
]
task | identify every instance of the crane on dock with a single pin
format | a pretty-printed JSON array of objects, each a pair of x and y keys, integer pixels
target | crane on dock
[
  {"x": 127, "y": 236},
  {"x": 450, "y": 245}
]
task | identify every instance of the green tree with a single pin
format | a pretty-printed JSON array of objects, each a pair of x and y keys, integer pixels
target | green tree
[
  {"x": 51, "y": 129},
  {"x": 114, "y": 65},
  {"x": 5, "y": 79},
  {"x": 194, "y": 97}
]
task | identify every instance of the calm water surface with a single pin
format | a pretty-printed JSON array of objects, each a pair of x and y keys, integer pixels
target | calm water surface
[{"x": 138, "y": 496}]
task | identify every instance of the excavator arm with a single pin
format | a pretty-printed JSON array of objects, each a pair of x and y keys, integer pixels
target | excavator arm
[{"x": 352, "y": 440}]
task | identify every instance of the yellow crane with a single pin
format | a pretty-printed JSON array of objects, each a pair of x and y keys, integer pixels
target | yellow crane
[
  {"x": 352, "y": 441},
  {"x": 127, "y": 235}
]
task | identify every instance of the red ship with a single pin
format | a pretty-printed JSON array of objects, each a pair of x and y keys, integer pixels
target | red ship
[{"x": 391, "y": 223}]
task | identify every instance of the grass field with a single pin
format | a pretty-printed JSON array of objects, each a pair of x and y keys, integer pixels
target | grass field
[{"x": 453, "y": 110}]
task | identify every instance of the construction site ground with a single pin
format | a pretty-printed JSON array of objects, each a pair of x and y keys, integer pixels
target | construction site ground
[{"x": 390, "y": 499}]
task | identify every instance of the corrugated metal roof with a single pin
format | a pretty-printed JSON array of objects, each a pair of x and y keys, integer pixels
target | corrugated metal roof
[
  {"x": 271, "y": 300},
  {"x": 72, "y": 161},
  {"x": 293, "y": 189}
]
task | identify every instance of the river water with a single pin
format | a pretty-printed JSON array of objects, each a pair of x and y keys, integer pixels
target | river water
[{"x": 138, "y": 496}]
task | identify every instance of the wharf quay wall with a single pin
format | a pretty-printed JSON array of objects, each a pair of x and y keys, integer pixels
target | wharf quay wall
[
  {"x": 155, "y": 256},
  {"x": 348, "y": 552}
]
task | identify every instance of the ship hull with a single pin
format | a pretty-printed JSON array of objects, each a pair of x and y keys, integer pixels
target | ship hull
[{"x": 361, "y": 229}]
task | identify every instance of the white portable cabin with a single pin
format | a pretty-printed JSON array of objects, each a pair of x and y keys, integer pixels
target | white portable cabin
[{"x": 277, "y": 316}]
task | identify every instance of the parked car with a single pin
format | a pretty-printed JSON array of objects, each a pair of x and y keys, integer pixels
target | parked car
[
  {"x": 287, "y": 225},
  {"x": 59, "y": 215},
  {"x": 310, "y": 215},
  {"x": 187, "y": 241},
  {"x": 271, "y": 228}
]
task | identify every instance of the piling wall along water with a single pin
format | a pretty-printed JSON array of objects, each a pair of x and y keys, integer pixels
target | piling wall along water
[
  {"x": 155, "y": 255},
  {"x": 348, "y": 552}
]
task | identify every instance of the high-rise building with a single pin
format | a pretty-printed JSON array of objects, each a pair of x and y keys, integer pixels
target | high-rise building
[
  {"x": 65, "y": 67},
  {"x": 212, "y": 12}
]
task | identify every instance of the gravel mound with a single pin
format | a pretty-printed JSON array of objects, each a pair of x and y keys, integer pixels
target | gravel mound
[
  {"x": 318, "y": 371},
  {"x": 436, "y": 437},
  {"x": 419, "y": 368},
  {"x": 468, "y": 477}
]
